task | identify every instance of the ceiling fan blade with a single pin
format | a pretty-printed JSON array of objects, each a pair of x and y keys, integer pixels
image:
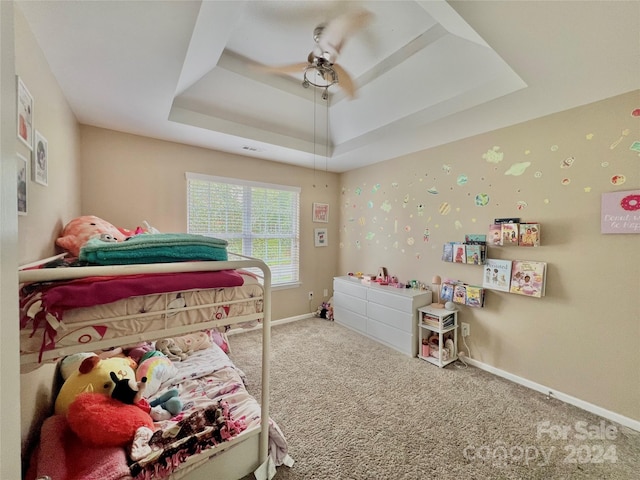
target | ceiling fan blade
[
  {"x": 284, "y": 69},
  {"x": 345, "y": 81},
  {"x": 338, "y": 30}
]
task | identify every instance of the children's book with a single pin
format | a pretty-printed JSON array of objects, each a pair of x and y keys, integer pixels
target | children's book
[
  {"x": 497, "y": 274},
  {"x": 506, "y": 220},
  {"x": 460, "y": 293},
  {"x": 475, "y": 296},
  {"x": 510, "y": 234},
  {"x": 475, "y": 239},
  {"x": 529, "y": 235},
  {"x": 495, "y": 234},
  {"x": 528, "y": 278},
  {"x": 447, "y": 252},
  {"x": 475, "y": 254},
  {"x": 459, "y": 254},
  {"x": 446, "y": 292}
]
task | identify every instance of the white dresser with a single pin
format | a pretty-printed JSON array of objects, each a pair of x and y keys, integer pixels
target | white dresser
[{"x": 386, "y": 314}]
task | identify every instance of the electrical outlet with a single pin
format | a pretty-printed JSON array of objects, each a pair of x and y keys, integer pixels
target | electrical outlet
[
  {"x": 325, "y": 293},
  {"x": 466, "y": 329},
  {"x": 310, "y": 295}
]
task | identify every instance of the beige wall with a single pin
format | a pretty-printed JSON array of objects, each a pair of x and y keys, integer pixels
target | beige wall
[
  {"x": 127, "y": 179},
  {"x": 49, "y": 207},
  {"x": 581, "y": 338}
]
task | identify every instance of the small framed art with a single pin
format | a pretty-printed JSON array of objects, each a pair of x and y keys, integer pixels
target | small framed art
[
  {"x": 25, "y": 114},
  {"x": 321, "y": 212},
  {"x": 40, "y": 167},
  {"x": 321, "y": 239},
  {"x": 22, "y": 185}
]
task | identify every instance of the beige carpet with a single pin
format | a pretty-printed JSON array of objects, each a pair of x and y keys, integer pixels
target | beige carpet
[{"x": 354, "y": 409}]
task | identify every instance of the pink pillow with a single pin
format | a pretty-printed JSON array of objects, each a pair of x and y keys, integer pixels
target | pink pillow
[{"x": 102, "y": 421}]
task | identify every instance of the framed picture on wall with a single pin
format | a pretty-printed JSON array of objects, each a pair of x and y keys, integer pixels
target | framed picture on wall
[
  {"x": 40, "y": 167},
  {"x": 22, "y": 185},
  {"x": 25, "y": 114},
  {"x": 321, "y": 239},
  {"x": 321, "y": 212}
]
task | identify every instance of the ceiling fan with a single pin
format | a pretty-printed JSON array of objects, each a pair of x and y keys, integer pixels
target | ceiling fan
[{"x": 321, "y": 69}]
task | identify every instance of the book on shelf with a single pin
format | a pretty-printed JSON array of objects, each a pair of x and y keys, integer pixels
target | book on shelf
[
  {"x": 459, "y": 253},
  {"x": 475, "y": 254},
  {"x": 528, "y": 278},
  {"x": 475, "y": 239},
  {"x": 434, "y": 321},
  {"x": 475, "y": 296},
  {"x": 447, "y": 252},
  {"x": 529, "y": 235},
  {"x": 500, "y": 221},
  {"x": 497, "y": 274},
  {"x": 495, "y": 234},
  {"x": 460, "y": 293},
  {"x": 509, "y": 234},
  {"x": 446, "y": 292}
]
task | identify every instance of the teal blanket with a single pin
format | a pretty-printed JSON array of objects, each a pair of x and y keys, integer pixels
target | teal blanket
[{"x": 154, "y": 248}]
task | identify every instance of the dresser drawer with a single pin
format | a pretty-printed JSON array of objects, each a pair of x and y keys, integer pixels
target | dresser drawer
[
  {"x": 347, "y": 302},
  {"x": 398, "y": 339},
  {"x": 350, "y": 287},
  {"x": 401, "y": 320},
  {"x": 401, "y": 300},
  {"x": 350, "y": 319}
]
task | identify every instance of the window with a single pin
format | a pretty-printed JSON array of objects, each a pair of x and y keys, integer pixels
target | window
[{"x": 257, "y": 219}]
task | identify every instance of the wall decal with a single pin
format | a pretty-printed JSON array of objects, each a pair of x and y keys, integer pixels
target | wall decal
[
  {"x": 482, "y": 199},
  {"x": 358, "y": 191},
  {"x": 445, "y": 208},
  {"x": 517, "y": 169},
  {"x": 425, "y": 235},
  {"x": 617, "y": 142},
  {"x": 589, "y": 136},
  {"x": 493, "y": 155},
  {"x": 446, "y": 169},
  {"x": 538, "y": 174},
  {"x": 567, "y": 162},
  {"x": 565, "y": 181},
  {"x": 433, "y": 191},
  {"x": 636, "y": 113},
  {"x": 604, "y": 164},
  {"x": 635, "y": 146},
  {"x": 587, "y": 189},
  {"x": 457, "y": 224},
  {"x": 554, "y": 148},
  {"x": 521, "y": 204},
  {"x": 410, "y": 241},
  {"x": 618, "y": 179},
  {"x": 386, "y": 206},
  {"x": 462, "y": 180}
]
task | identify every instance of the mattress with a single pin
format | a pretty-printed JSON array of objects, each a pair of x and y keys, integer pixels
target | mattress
[{"x": 48, "y": 323}]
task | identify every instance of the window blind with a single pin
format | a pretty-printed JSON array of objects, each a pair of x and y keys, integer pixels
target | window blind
[{"x": 259, "y": 220}]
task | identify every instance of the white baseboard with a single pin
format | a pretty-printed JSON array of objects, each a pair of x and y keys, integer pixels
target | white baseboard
[{"x": 589, "y": 407}]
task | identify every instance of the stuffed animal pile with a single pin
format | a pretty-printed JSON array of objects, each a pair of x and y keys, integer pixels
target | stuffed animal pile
[{"x": 81, "y": 229}]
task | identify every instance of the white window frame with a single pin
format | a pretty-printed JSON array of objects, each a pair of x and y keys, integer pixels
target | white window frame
[{"x": 246, "y": 227}]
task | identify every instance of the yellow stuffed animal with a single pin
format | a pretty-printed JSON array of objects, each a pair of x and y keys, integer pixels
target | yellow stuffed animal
[{"x": 93, "y": 375}]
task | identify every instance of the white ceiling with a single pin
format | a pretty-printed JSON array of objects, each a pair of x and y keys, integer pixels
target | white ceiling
[{"x": 429, "y": 72}]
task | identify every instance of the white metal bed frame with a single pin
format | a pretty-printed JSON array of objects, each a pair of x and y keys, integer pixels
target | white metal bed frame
[{"x": 230, "y": 460}]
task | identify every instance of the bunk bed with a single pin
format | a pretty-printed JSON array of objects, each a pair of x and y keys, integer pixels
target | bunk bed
[{"x": 259, "y": 446}]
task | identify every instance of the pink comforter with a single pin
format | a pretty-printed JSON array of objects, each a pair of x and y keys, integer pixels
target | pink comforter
[{"x": 62, "y": 456}]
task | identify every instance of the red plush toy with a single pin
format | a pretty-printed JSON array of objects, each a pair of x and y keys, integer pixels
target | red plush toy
[{"x": 102, "y": 421}]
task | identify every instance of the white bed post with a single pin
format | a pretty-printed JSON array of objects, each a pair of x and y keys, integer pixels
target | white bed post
[{"x": 266, "y": 366}]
